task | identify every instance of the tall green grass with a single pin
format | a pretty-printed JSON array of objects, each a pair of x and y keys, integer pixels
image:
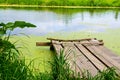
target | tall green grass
[
  {"x": 64, "y": 2},
  {"x": 60, "y": 68}
]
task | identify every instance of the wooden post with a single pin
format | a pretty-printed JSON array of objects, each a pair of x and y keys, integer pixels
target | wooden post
[{"x": 43, "y": 43}]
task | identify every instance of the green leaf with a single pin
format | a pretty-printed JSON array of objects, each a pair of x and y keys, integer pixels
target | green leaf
[
  {"x": 12, "y": 25},
  {"x": 30, "y": 25},
  {"x": 2, "y": 24},
  {"x": 23, "y": 24},
  {"x": 9, "y": 25}
]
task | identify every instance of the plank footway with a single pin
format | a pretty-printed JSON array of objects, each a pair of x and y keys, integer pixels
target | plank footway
[{"x": 85, "y": 54}]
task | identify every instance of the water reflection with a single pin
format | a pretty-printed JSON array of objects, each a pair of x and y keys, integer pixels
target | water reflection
[
  {"x": 116, "y": 14},
  {"x": 52, "y": 20}
]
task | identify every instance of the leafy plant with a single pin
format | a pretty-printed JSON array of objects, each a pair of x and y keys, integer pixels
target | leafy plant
[
  {"x": 12, "y": 25},
  {"x": 11, "y": 66}
]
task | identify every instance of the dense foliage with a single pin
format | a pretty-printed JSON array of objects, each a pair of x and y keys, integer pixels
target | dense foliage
[
  {"x": 11, "y": 66},
  {"x": 64, "y": 2}
]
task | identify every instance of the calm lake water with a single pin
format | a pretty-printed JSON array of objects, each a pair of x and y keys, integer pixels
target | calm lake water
[{"x": 62, "y": 20}]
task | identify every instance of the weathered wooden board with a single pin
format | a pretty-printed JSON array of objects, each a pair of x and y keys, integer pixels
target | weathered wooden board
[
  {"x": 111, "y": 62},
  {"x": 98, "y": 64},
  {"x": 43, "y": 43},
  {"x": 58, "y": 48},
  {"x": 78, "y": 60}
]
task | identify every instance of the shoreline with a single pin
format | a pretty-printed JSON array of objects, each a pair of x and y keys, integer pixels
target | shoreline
[{"x": 39, "y": 6}]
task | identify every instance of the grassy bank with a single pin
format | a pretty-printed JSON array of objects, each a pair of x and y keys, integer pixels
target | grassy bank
[
  {"x": 103, "y": 3},
  {"x": 41, "y": 6}
]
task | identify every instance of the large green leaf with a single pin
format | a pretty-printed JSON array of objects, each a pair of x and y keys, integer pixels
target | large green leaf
[
  {"x": 9, "y": 26},
  {"x": 23, "y": 24},
  {"x": 12, "y": 25}
]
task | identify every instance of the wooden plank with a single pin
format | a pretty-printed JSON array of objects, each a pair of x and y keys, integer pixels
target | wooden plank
[
  {"x": 110, "y": 53},
  {"x": 110, "y": 60},
  {"x": 43, "y": 43},
  {"x": 106, "y": 50},
  {"x": 80, "y": 60},
  {"x": 103, "y": 48},
  {"x": 98, "y": 56},
  {"x": 57, "y": 47},
  {"x": 68, "y": 40},
  {"x": 79, "y": 42},
  {"x": 103, "y": 57},
  {"x": 117, "y": 59},
  {"x": 99, "y": 65},
  {"x": 72, "y": 60}
]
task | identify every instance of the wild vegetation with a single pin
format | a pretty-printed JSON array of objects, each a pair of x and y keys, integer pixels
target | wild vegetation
[
  {"x": 13, "y": 67},
  {"x": 64, "y": 2}
]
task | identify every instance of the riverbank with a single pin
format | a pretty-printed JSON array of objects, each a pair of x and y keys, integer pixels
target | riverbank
[
  {"x": 105, "y": 3},
  {"x": 32, "y": 6}
]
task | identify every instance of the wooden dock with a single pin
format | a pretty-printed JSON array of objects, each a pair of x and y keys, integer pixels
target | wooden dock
[{"x": 85, "y": 54}]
